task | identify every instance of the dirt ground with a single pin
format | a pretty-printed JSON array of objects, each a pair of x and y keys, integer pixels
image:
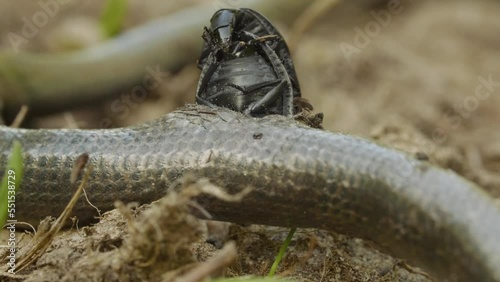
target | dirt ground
[{"x": 422, "y": 77}]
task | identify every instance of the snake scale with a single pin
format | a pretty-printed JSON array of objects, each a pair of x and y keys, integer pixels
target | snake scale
[{"x": 300, "y": 176}]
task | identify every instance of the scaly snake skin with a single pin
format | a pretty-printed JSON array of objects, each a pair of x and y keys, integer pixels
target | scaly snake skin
[{"x": 302, "y": 177}]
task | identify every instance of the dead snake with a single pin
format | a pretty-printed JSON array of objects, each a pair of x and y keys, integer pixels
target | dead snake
[{"x": 300, "y": 176}]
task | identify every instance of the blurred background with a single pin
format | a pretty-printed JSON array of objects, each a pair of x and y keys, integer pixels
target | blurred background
[{"x": 421, "y": 76}]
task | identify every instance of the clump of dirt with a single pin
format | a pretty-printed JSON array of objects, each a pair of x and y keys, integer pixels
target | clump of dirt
[
  {"x": 314, "y": 255},
  {"x": 150, "y": 244}
]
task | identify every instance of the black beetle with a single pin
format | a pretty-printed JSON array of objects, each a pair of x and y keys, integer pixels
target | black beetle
[{"x": 246, "y": 66}]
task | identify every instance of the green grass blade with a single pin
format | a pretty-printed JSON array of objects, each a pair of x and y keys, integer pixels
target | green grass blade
[
  {"x": 113, "y": 16},
  {"x": 10, "y": 184},
  {"x": 281, "y": 253}
]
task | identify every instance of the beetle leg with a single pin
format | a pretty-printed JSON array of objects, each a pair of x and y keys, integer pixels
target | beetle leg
[
  {"x": 205, "y": 75},
  {"x": 268, "y": 99},
  {"x": 208, "y": 47},
  {"x": 281, "y": 73},
  {"x": 251, "y": 38},
  {"x": 238, "y": 47}
]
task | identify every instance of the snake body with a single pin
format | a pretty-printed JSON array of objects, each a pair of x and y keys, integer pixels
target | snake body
[{"x": 300, "y": 176}]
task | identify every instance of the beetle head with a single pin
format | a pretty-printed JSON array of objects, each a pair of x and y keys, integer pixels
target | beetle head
[{"x": 222, "y": 27}]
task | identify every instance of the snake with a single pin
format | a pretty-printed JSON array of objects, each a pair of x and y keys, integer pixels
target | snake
[{"x": 299, "y": 177}]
